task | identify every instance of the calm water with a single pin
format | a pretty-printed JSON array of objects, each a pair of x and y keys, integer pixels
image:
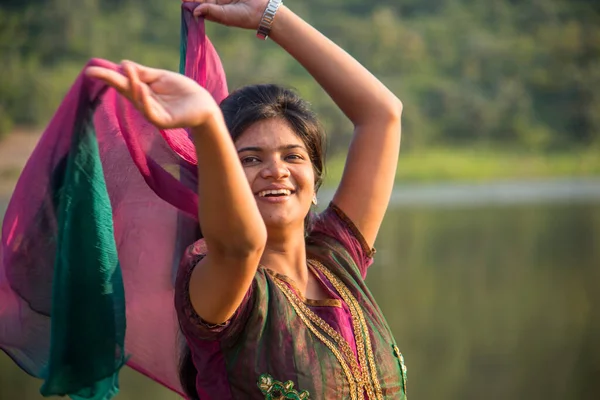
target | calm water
[{"x": 488, "y": 300}]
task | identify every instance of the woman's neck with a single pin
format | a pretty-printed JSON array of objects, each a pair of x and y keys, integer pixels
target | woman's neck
[{"x": 286, "y": 255}]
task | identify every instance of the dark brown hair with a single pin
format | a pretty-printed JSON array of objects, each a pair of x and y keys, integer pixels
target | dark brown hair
[{"x": 241, "y": 109}]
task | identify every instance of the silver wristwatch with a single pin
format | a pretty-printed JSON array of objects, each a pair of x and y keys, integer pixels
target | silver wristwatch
[{"x": 266, "y": 22}]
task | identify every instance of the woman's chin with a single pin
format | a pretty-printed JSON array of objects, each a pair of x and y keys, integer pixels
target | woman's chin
[
  {"x": 285, "y": 215},
  {"x": 278, "y": 222}
]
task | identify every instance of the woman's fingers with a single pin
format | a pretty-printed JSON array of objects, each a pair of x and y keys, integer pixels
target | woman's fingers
[
  {"x": 207, "y": 8},
  {"x": 145, "y": 105},
  {"x": 135, "y": 76},
  {"x": 133, "y": 86},
  {"x": 151, "y": 109},
  {"x": 142, "y": 96},
  {"x": 134, "y": 82},
  {"x": 110, "y": 77},
  {"x": 212, "y": 12},
  {"x": 201, "y": 10},
  {"x": 145, "y": 74}
]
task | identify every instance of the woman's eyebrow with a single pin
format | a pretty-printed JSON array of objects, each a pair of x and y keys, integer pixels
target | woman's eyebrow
[
  {"x": 257, "y": 149},
  {"x": 260, "y": 149}
]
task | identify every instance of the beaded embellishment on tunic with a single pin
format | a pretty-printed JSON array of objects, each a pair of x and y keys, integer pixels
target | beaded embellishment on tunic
[{"x": 276, "y": 390}]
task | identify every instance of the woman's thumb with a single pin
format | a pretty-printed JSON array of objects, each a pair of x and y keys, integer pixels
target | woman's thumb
[{"x": 211, "y": 12}]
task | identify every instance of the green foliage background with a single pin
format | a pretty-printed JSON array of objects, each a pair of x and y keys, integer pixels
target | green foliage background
[{"x": 501, "y": 73}]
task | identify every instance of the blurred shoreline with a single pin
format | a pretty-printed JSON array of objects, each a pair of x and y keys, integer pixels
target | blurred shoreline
[
  {"x": 497, "y": 193},
  {"x": 439, "y": 175}
]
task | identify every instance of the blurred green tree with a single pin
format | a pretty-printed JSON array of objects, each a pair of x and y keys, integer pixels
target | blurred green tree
[{"x": 501, "y": 72}]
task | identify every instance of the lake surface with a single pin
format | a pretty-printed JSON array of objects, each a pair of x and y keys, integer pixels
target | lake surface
[{"x": 493, "y": 292}]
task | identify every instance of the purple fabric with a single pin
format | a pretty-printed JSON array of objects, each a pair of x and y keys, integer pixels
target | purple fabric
[{"x": 207, "y": 343}]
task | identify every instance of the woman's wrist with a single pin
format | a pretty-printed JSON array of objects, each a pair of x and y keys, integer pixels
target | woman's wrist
[
  {"x": 211, "y": 121},
  {"x": 278, "y": 28}
]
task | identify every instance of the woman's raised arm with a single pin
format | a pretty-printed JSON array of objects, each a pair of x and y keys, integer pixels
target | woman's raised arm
[
  {"x": 233, "y": 228},
  {"x": 370, "y": 169}
]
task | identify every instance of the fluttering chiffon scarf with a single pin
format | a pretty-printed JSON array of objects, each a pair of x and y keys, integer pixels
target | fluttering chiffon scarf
[{"x": 94, "y": 233}]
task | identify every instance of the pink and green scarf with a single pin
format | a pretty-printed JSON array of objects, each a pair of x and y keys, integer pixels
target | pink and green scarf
[{"x": 94, "y": 233}]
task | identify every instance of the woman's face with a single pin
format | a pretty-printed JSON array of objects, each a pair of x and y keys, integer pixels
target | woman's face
[{"x": 279, "y": 171}]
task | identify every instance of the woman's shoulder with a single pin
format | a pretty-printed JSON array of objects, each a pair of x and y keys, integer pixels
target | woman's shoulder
[
  {"x": 193, "y": 327},
  {"x": 335, "y": 232}
]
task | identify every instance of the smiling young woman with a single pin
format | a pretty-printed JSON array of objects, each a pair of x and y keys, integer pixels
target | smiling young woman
[{"x": 272, "y": 300}]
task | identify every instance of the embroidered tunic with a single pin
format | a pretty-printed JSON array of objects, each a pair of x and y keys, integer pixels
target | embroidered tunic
[{"x": 267, "y": 349}]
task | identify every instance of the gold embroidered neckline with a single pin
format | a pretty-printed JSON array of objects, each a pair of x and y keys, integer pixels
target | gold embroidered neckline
[
  {"x": 310, "y": 302},
  {"x": 362, "y": 374}
]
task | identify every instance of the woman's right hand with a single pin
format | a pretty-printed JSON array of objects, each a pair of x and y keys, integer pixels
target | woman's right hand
[
  {"x": 239, "y": 13},
  {"x": 167, "y": 99}
]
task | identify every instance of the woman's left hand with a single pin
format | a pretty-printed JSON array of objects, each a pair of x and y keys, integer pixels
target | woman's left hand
[
  {"x": 239, "y": 13},
  {"x": 167, "y": 99}
]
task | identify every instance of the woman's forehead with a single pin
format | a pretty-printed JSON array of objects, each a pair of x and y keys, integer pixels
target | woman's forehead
[{"x": 269, "y": 134}]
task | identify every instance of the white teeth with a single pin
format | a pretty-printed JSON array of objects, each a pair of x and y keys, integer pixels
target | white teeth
[{"x": 275, "y": 192}]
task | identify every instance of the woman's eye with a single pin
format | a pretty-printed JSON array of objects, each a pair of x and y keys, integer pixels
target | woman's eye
[
  {"x": 249, "y": 160},
  {"x": 294, "y": 157}
]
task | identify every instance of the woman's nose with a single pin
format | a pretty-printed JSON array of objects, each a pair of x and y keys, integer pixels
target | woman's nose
[{"x": 275, "y": 169}]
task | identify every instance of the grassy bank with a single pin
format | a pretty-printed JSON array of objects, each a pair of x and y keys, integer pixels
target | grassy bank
[
  {"x": 472, "y": 165},
  {"x": 431, "y": 165}
]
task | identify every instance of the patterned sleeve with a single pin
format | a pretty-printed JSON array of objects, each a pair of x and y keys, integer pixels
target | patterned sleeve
[
  {"x": 192, "y": 325},
  {"x": 333, "y": 222}
]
